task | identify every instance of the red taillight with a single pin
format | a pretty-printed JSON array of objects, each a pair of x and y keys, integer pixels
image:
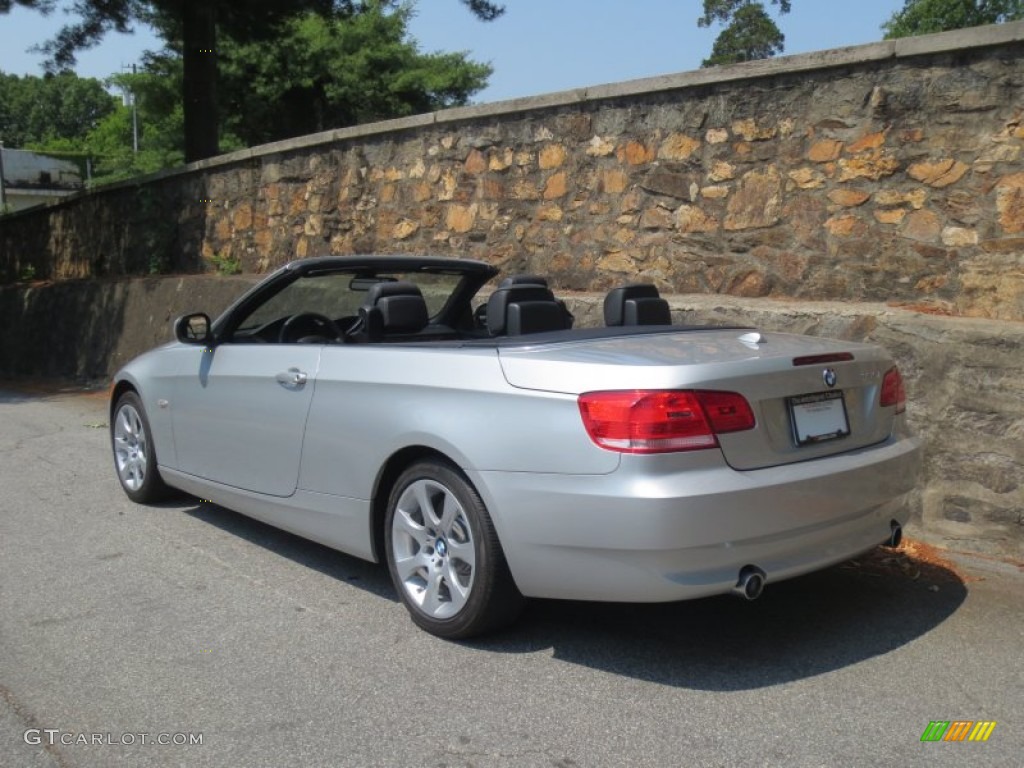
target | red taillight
[
  {"x": 727, "y": 411},
  {"x": 645, "y": 421},
  {"x": 893, "y": 391}
]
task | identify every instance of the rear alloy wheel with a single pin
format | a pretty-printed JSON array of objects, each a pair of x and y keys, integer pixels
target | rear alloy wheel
[
  {"x": 134, "y": 457},
  {"x": 444, "y": 555}
]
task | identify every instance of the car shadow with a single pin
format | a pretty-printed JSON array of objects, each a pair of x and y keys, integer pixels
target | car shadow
[
  {"x": 799, "y": 628},
  {"x": 365, "y": 575}
]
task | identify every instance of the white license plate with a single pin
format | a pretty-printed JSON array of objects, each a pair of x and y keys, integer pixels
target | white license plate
[{"x": 818, "y": 417}]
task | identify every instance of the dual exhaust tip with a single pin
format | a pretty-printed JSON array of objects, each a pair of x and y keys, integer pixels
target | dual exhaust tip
[
  {"x": 750, "y": 583},
  {"x": 895, "y": 534}
]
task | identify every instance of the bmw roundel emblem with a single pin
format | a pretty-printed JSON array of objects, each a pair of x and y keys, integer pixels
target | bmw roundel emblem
[{"x": 829, "y": 377}]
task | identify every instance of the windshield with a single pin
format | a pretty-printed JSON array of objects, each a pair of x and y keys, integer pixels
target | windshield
[{"x": 340, "y": 294}]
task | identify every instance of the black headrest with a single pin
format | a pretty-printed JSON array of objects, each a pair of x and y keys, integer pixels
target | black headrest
[
  {"x": 390, "y": 288},
  {"x": 400, "y": 306},
  {"x": 523, "y": 280},
  {"x": 637, "y": 304},
  {"x": 404, "y": 314},
  {"x": 498, "y": 304}
]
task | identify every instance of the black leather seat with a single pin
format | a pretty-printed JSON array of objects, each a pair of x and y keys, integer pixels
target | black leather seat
[
  {"x": 508, "y": 282},
  {"x": 393, "y": 307},
  {"x": 637, "y": 304},
  {"x": 518, "y": 309}
]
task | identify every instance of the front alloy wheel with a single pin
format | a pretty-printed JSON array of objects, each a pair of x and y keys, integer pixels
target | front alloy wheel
[
  {"x": 134, "y": 458},
  {"x": 444, "y": 555}
]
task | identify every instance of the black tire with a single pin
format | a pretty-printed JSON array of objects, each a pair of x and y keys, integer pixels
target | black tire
[
  {"x": 131, "y": 441},
  {"x": 428, "y": 552}
]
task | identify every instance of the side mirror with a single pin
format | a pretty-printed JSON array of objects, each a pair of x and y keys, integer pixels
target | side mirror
[{"x": 193, "y": 329}]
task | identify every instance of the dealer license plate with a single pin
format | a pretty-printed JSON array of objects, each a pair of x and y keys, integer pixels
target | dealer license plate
[{"x": 818, "y": 417}]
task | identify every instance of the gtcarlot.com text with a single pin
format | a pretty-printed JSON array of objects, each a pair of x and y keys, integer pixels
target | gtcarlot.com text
[{"x": 55, "y": 737}]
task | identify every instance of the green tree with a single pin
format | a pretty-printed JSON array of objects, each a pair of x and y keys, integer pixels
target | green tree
[
  {"x": 196, "y": 25},
  {"x": 157, "y": 93},
  {"x": 64, "y": 107},
  {"x": 922, "y": 17},
  {"x": 107, "y": 141},
  {"x": 323, "y": 73},
  {"x": 748, "y": 33},
  {"x": 319, "y": 74}
]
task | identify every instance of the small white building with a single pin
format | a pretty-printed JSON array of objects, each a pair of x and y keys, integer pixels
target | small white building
[{"x": 30, "y": 178}]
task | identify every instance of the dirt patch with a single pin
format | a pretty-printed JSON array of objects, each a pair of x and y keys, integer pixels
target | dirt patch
[
  {"x": 926, "y": 309},
  {"x": 913, "y": 560}
]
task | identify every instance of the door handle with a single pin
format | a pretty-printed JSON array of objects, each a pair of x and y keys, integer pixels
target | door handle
[{"x": 293, "y": 377}]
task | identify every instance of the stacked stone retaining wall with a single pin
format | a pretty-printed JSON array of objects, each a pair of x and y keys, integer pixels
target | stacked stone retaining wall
[{"x": 886, "y": 172}]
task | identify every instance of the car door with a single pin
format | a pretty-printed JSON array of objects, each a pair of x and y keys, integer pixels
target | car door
[{"x": 239, "y": 413}]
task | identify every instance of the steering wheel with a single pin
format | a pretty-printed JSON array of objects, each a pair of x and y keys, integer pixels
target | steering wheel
[{"x": 308, "y": 324}]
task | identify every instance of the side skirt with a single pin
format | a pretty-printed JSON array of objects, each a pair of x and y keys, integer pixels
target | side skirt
[{"x": 338, "y": 522}]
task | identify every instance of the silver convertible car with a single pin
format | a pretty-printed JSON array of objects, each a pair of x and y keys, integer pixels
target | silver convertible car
[{"x": 489, "y": 452}]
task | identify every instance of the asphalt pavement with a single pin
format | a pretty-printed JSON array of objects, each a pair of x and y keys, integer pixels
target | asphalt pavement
[{"x": 123, "y": 626}]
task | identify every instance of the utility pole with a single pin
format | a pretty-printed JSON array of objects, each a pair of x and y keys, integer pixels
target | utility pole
[
  {"x": 129, "y": 100},
  {"x": 135, "y": 118},
  {"x": 3, "y": 194}
]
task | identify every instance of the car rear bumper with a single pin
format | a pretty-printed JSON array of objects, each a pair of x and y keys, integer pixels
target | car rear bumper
[{"x": 645, "y": 534}]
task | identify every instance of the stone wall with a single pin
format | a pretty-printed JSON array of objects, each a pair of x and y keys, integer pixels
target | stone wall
[{"x": 887, "y": 172}]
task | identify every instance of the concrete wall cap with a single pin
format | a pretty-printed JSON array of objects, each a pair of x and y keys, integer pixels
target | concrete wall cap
[{"x": 958, "y": 40}]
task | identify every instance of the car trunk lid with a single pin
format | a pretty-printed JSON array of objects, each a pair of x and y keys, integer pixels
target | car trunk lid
[{"x": 811, "y": 397}]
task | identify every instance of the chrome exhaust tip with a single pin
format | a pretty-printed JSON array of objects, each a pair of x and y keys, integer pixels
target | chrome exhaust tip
[
  {"x": 895, "y": 534},
  {"x": 750, "y": 584}
]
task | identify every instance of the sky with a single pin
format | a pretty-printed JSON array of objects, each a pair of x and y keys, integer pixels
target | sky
[{"x": 538, "y": 46}]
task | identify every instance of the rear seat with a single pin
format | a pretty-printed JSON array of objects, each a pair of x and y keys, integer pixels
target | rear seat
[
  {"x": 636, "y": 304},
  {"x": 518, "y": 308}
]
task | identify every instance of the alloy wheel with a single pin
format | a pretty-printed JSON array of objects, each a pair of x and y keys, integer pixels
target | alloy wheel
[{"x": 433, "y": 549}]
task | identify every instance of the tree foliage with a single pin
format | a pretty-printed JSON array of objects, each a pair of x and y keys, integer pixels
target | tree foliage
[
  {"x": 68, "y": 115},
  {"x": 748, "y": 32},
  {"x": 322, "y": 73},
  {"x": 194, "y": 26},
  {"x": 35, "y": 110},
  {"x": 319, "y": 73},
  {"x": 484, "y": 10},
  {"x": 922, "y": 17},
  {"x": 157, "y": 94}
]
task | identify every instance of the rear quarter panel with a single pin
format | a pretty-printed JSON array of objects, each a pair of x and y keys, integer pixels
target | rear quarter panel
[{"x": 372, "y": 401}]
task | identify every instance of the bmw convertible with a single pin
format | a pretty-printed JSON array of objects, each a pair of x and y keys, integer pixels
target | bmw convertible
[{"x": 425, "y": 413}]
